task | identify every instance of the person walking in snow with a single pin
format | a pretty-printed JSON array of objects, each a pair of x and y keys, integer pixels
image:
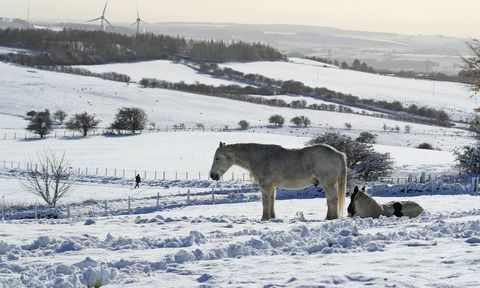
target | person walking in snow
[{"x": 137, "y": 181}]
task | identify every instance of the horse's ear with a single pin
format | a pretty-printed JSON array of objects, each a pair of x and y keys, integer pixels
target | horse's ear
[
  {"x": 355, "y": 189},
  {"x": 222, "y": 145},
  {"x": 363, "y": 188}
]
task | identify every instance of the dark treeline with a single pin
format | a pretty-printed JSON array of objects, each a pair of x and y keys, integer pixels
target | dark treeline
[
  {"x": 241, "y": 93},
  {"x": 277, "y": 87},
  {"x": 462, "y": 76},
  {"x": 77, "y": 47}
]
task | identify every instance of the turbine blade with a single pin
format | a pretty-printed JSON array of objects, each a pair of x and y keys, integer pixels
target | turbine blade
[
  {"x": 134, "y": 23},
  {"x": 107, "y": 22},
  {"x": 138, "y": 15},
  {"x": 105, "y": 8},
  {"x": 94, "y": 19},
  {"x": 145, "y": 22}
]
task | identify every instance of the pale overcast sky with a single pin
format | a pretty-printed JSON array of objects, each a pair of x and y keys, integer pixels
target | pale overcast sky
[{"x": 447, "y": 17}]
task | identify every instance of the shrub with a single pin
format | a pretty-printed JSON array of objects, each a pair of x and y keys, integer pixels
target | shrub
[
  {"x": 243, "y": 124},
  {"x": 348, "y": 126},
  {"x": 129, "y": 119},
  {"x": 41, "y": 123},
  {"x": 407, "y": 129},
  {"x": 362, "y": 161},
  {"x": 305, "y": 121},
  {"x": 276, "y": 120},
  {"x": 200, "y": 126},
  {"x": 426, "y": 146},
  {"x": 82, "y": 122},
  {"x": 297, "y": 121},
  {"x": 468, "y": 158},
  {"x": 366, "y": 137},
  {"x": 31, "y": 113}
]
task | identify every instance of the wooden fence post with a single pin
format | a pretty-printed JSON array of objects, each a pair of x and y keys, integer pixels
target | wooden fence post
[{"x": 213, "y": 195}]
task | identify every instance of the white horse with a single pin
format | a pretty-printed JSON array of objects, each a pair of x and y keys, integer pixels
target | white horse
[
  {"x": 272, "y": 167},
  {"x": 363, "y": 206}
]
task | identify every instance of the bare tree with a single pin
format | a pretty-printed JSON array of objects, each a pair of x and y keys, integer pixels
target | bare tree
[
  {"x": 472, "y": 64},
  {"x": 82, "y": 122},
  {"x": 60, "y": 116},
  {"x": 49, "y": 177}
]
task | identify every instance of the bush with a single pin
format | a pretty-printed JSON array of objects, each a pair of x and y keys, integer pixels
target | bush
[
  {"x": 243, "y": 124},
  {"x": 366, "y": 137},
  {"x": 297, "y": 121},
  {"x": 348, "y": 126},
  {"x": 426, "y": 146},
  {"x": 407, "y": 129},
  {"x": 300, "y": 121},
  {"x": 200, "y": 126},
  {"x": 276, "y": 120},
  {"x": 82, "y": 123},
  {"x": 305, "y": 121},
  {"x": 468, "y": 158},
  {"x": 129, "y": 119},
  {"x": 41, "y": 123},
  {"x": 31, "y": 113},
  {"x": 362, "y": 161}
]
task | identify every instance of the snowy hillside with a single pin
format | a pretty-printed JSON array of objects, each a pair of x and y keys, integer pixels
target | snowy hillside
[
  {"x": 39, "y": 89},
  {"x": 455, "y": 98},
  {"x": 181, "y": 229}
]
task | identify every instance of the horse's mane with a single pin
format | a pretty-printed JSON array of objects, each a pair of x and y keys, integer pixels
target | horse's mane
[{"x": 368, "y": 202}]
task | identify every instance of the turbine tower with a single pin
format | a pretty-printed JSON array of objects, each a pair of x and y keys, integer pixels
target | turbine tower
[
  {"x": 138, "y": 21},
  {"x": 102, "y": 18}
]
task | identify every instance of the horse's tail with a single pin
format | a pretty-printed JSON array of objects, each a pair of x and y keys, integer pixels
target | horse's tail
[{"x": 342, "y": 186}]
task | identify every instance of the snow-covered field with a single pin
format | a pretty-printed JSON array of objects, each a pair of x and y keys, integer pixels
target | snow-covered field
[
  {"x": 176, "y": 235},
  {"x": 160, "y": 69},
  {"x": 455, "y": 98},
  {"x": 225, "y": 245}
]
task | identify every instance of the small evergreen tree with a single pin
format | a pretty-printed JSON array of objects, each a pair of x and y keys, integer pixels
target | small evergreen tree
[
  {"x": 348, "y": 125},
  {"x": 82, "y": 122},
  {"x": 41, "y": 123}
]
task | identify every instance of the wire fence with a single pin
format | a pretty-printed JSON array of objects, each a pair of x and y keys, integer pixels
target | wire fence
[
  {"x": 123, "y": 173},
  {"x": 104, "y": 131}
]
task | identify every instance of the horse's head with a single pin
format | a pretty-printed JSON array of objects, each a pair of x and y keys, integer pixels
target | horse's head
[
  {"x": 221, "y": 163},
  {"x": 353, "y": 198}
]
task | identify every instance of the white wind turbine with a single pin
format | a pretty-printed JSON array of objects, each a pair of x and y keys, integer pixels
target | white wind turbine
[
  {"x": 102, "y": 18},
  {"x": 138, "y": 21}
]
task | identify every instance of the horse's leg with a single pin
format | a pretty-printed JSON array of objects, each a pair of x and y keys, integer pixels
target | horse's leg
[
  {"x": 272, "y": 202},
  {"x": 332, "y": 201},
  {"x": 266, "y": 202}
]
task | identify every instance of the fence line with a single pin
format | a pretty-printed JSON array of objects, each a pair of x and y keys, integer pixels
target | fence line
[
  {"x": 123, "y": 173},
  {"x": 63, "y": 133}
]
